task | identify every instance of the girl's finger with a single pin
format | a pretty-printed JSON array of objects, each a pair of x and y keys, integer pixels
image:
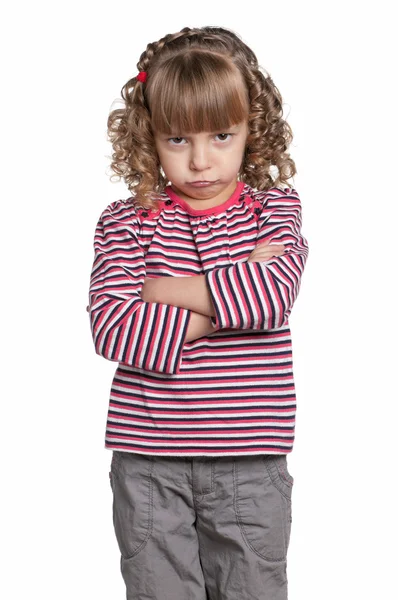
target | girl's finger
[
  {"x": 270, "y": 244},
  {"x": 263, "y": 257},
  {"x": 269, "y": 250}
]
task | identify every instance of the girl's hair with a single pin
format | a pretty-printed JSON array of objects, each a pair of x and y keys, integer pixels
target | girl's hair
[{"x": 200, "y": 79}]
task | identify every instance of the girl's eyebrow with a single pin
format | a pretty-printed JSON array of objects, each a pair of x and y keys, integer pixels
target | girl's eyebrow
[{"x": 225, "y": 130}]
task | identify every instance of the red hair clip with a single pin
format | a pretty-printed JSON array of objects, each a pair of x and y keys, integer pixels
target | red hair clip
[{"x": 142, "y": 75}]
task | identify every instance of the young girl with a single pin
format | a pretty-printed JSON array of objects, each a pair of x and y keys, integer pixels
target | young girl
[{"x": 194, "y": 278}]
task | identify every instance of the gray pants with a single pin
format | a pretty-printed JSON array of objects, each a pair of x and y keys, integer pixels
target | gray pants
[{"x": 202, "y": 528}]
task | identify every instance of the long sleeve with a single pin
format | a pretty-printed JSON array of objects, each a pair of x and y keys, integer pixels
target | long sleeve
[
  {"x": 124, "y": 327},
  {"x": 260, "y": 295}
]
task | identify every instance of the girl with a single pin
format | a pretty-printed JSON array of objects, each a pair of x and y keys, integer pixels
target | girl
[{"x": 194, "y": 278}]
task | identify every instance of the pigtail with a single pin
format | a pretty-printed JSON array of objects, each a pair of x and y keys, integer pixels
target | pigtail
[
  {"x": 269, "y": 138},
  {"x": 134, "y": 157}
]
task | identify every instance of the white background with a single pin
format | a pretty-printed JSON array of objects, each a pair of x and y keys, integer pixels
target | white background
[{"x": 63, "y": 65}]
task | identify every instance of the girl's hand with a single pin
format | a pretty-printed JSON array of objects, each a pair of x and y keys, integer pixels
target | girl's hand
[
  {"x": 265, "y": 250},
  {"x": 148, "y": 289}
]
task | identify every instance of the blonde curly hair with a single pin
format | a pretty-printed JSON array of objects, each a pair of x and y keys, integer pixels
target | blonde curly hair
[{"x": 199, "y": 79}]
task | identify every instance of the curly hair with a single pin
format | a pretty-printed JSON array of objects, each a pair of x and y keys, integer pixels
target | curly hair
[{"x": 199, "y": 79}]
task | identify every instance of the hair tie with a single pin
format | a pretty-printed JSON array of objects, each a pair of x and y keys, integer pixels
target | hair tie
[{"x": 142, "y": 75}]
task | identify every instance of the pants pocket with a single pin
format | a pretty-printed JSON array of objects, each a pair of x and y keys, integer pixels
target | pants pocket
[
  {"x": 132, "y": 508},
  {"x": 278, "y": 473},
  {"x": 263, "y": 509}
]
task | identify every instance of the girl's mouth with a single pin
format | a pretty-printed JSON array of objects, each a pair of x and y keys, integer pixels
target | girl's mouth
[{"x": 202, "y": 183}]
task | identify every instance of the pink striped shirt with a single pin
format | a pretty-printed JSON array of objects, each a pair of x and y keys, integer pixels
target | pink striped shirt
[{"x": 228, "y": 393}]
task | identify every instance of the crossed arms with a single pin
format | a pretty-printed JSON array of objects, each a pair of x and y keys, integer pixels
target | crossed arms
[{"x": 145, "y": 322}]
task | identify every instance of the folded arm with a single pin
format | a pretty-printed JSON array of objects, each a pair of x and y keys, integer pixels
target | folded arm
[
  {"x": 192, "y": 292},
  {"x": 124, "y": 327},
  {"x": 249, "y": 295}
]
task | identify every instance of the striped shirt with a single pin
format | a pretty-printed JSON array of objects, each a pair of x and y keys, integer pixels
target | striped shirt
[{"x": 230, "y": 392}]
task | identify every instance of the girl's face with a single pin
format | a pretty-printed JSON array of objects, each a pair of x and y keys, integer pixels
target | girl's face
[{"x": 213, "y": 157}]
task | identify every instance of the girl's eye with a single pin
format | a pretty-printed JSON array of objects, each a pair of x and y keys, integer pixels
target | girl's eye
[
  {"x": 223, "y": 134},
  {"x": 178, "y": 141}
]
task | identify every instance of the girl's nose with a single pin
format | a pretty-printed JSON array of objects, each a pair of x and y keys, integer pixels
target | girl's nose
[{"x": 200, "y": 158}]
